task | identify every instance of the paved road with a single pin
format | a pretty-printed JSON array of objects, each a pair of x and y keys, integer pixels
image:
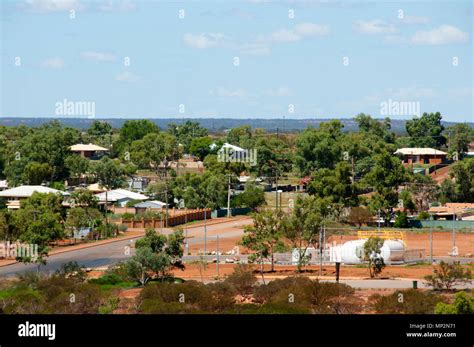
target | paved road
[{"x": 112, "y": 253}]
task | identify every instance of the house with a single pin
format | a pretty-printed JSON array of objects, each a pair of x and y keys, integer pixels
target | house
[
  {"x": 152, "y": 205},
  {"x": 459, "y": 210},
  {"x": 120, "y": 197},
  {"x": 421, "y": 155},
  {"x": 15, "y": 195},
  {"x": 89, "y": 151}
]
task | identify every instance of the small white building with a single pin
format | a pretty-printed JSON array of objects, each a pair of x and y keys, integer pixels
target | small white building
[{"x": 120, "y": 196}]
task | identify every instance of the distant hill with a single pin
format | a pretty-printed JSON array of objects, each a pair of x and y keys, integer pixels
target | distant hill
[{"x": 212, "y": 124}]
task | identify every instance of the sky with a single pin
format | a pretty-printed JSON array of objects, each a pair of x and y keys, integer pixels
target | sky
[{"x": 236, "y": 59}]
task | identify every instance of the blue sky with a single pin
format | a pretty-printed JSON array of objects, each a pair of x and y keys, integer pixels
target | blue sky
[{"x": 332, "y": 60}]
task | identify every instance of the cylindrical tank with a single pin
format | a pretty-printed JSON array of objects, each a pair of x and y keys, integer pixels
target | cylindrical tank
[{"x": 352, "y": 251}]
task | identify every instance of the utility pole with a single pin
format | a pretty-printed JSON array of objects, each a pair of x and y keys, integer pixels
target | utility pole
[
  {"x": 205, "y": 231},
  {"x": 431, "y": 239},
  {"x": 276, "y": 193},
  {"x": 321, "y": 251},
  {"x": 228, "y": 199},
  {"x": 378, "y": 218},
  {"x": 217, "y": 254},
  {"x": 454, "y": 228}
]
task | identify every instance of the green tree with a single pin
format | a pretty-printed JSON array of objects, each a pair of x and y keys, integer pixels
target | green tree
[
  {"x": 38, "y": 222},
  {"x": 372, "y": 255},
  {"x": 335, "y": 185},
  {"x": 447, "y": 275},
  {"x": 109, "y": 175},
  {"x": 426, "y": 131},
  {"x": 303, "y": 226},
  {"x": 201, "y": 147},
  {"x": 385, "y": 177},
  {"x": 99, "y": 129},
  {"x": 156, "y": 254},
  {"x": 265, "y": 237},
  {"x": 155, "y": 151},
  {"x": 463, "y": 304},
  {"x": 77, "y": 165},
  {"x": 273, "y": 158},
  {"x": 36, "y": 173},
  {"x": 458, "y": 137},
  {"x": 319, "y": 148},
  {"x": 252, "y": 197},
  {"x": 463, "y": 175},
  {"x": 185, "y": 133}
]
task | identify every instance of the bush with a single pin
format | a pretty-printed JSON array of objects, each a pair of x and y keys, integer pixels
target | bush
[
  {"x": 446, "y": 276},
  {"x": 318, "y": 297},
  {"x": 463, "y": 304},
  {"x": 128, "y": 216},
  {"x": 409, "y": 301},
  {"x": 242, "y": 279},
  {"x": 187, "y": 297}
]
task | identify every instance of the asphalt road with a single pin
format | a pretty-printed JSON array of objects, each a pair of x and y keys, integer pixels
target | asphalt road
[{"x": 112, "y": 253}]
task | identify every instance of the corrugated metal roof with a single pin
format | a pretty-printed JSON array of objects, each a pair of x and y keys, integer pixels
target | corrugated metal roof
[
  {"x": 27, "y": 191},
  {"x": 84, "y": 147},
  {"x": 419, "y": 151}
]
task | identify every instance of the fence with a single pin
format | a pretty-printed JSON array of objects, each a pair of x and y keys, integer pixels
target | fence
[
  {"x": 176, "y": 217},
  {"x": 443, "y": 224}
]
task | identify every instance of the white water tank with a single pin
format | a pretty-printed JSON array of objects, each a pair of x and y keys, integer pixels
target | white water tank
[{"x": 352, "y": 251}]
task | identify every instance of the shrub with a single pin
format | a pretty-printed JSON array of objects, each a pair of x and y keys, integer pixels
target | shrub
[
  {"x": 242, "y": 279},
  {"x": 128, "y": 216},
  {"x": 463, "y": 304},
  {"x": 446, "y": 276},
  {"x": 409, "y": 301}
]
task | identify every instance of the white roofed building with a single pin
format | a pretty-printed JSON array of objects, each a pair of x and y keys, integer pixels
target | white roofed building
[
  {"x": 14, "y": 195},
  {"x": 89, "y": 151},
  {"x": 121, "y": 196},
  {"x": 421, "y": 155}
]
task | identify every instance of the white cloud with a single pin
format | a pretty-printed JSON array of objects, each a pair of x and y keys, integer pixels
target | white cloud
[
  {"x": 98, "y": 56},
  {"x": 254, "y": 48},
  {"x": 45, "y": 6},
  {"x": 414, "y": 20},
  {"x": 299, "y": 32},
  {"x": 410, "y": 93},
  {"x": 127, "y": 76},
  {"x": 374, "y": 27},
  {"x": 285, "y": 35},
  {"x": 445, "y": 34},
  {"x": 310, "y": 29},
  {"x": 120, "y": 6},
  {"x": 228, "y": 93},
  {"x": 280, "y": 91},
  {"x": 203, "y": 40},
  {"x": 53, "y": 63}
]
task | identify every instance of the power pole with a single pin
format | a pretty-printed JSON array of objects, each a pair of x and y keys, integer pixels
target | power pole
[
  {"x": 431, "y": 241},
  {"x": 205, "y": 231},
  {"x": 321, "y": 251},
  {"x": 454, "y": 229},
  {"x": 217, "y": 254},
  {"x": 228, "y": 199}
]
